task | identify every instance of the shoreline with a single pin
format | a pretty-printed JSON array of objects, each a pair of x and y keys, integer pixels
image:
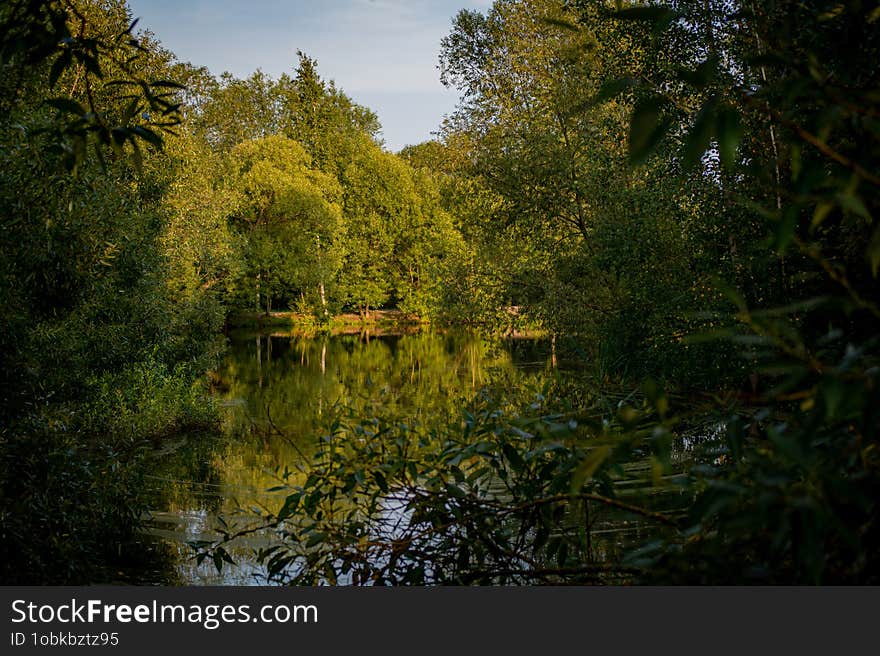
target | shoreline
[{"x": 376, "y": 323}]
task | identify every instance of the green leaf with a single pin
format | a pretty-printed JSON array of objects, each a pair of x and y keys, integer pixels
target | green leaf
[
  {"x": 731, "y": 293},
  {"x": 380, "y": 481},
  {"x": 513, "y": 457},
  {"x": 702, "y": 74},
  {"x": 91, "y": 64},
  {"x": 168, "y": 84},
  {"x": 646, "y": 129},
  {"x": 564, "y": 24},
  {"x": 804, "y": 305},
  {"x": 290, "y": 504},
  {"x": 67, "y": 105},
  {"x": 852, "y": 203},
  {"x": 821, "y": 213},
  {"x": 659, "y": 17},
  {"x": 149, "y": 136},
  {"x": 137, "y": 157},
  {"x": 225, "y": 556},
  {"x": 874, "y": 251},
  {"x": 700, "y": 135},
  {"x": 613, "y": 88},
  {"x": 117, "y": 141},
  {"x": 455, "y": 491},
  {"x": 729, "y": 132},
  {"x": 588, "y": 466},
  {"x": 130, "y": 111},
  {"x": 59, "y": 66},
  {"x": 121, "y": 83}
]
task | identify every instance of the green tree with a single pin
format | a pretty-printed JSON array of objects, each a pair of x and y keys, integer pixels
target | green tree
[
  {"x": 398, "y": 234},
  {"x": 787, "y": 112},
  {"x": 571, "y": 233},
  {"x": 99, "y": 355},
  {"x": 290, "y": 216},
  {"x": 322, "y": 118},
  {"x": 233, "y": 111}
]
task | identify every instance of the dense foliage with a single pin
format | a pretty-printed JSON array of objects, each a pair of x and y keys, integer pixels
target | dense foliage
[
  {"x": 309, "y": 213},
  {"x": 681, "y": 194},
  {"x": 688, "y": 190},
  {"x": 97, "y": 355}
]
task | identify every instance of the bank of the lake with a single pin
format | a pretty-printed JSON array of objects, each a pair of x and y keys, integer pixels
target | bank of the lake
[{"x": 375, "y": 322}]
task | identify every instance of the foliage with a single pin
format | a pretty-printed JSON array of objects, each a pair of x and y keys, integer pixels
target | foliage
[
  {"x": 687, "y": 190},
  {"x": 572, "y": 235},
  {"x": 99, "y": 356},
  {"x": 387, "y": 246},
  {"x": 289, "y": 217},
  {"x": 197, "y": 239},
  {"x": 793, "y": 497},
  {"x": 498, "y": 496},
  {"x": 65, "y": 507},
  {"x": 701, "y": 210},
  {"x": 92, "y": 55},
  {"x": 397, "y": 233}
]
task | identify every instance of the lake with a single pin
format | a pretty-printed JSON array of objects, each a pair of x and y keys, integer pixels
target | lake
[{"x": 276, "y": 392}]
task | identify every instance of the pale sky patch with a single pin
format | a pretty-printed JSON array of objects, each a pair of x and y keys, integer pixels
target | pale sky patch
[{"x": 382, "y": 53}]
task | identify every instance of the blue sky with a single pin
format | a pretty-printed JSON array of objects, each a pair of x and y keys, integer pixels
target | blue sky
[{"x": 382, "y": 53}]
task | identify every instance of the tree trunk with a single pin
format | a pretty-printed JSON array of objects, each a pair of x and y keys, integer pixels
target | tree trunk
[{"x": 258, "y": 291}]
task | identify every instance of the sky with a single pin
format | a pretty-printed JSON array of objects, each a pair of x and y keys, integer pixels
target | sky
[{"x": 382, "y": 53}]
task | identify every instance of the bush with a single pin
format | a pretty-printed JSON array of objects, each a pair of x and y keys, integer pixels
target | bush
[{"x": 65, "y": 509}]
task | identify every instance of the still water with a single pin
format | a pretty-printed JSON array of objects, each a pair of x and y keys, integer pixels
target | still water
[{"x": 277, "y": 394}]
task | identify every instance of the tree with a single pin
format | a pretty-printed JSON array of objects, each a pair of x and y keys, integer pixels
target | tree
[
  {"x": 110, "y": 96},
  {"x": 235, "y": 110},
  {"x": 397, "y": 234},
  {"x": 99, "y": 354},
  {"x": 777, "y": 119},
  {"x": 576, "y": 237},
  {"x": 290, "y": 216},
  {"x": 322, "y": 118}
]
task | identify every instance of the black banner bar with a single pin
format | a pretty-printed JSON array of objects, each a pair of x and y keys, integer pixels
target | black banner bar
[{"x": 125, "y": 620}]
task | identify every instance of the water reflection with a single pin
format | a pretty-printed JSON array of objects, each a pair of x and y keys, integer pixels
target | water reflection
[{"x": 277, "y": 394}]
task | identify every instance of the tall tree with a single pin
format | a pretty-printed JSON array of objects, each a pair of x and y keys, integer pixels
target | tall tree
[
  {"x": 290, "y": 215},
  {"x": 580, "y": 239}
]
